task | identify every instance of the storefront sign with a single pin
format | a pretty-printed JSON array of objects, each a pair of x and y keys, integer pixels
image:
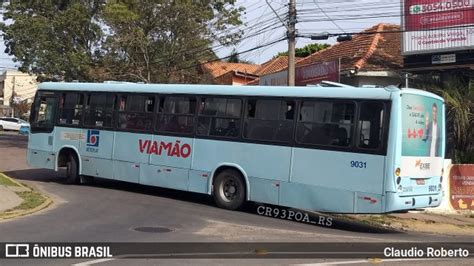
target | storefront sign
[{"x": 461, "y": 192}]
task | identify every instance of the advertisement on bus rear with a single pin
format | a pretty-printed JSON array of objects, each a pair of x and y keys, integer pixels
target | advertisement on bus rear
[{"x": 422, "y": 135}]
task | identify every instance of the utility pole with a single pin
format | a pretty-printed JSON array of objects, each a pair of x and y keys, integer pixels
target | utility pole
[{"x": 291, "y": 42}]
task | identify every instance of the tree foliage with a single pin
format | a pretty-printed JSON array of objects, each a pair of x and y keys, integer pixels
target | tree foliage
[
  {"x": 306, "y": 50},
  {"x": 132, "y": 40},
  {"x": 55, "y": 39}
]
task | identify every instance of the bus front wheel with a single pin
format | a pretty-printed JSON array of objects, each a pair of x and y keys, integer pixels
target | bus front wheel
[
  {"x": 72, "y": 172},
  {"x": 229, "y": 190}
]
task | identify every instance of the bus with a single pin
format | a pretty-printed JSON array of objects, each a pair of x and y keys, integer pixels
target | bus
[{"x": 328, "y": 149}]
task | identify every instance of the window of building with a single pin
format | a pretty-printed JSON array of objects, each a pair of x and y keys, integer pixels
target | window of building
[
  {"x": 269, "y": 120},
  {"x": 99, "y": 110},
  {"x": 136, "y": 112},
  {"x": 176, "y": 114},
  {"x": 370, "y": 125},
  {"x": 328, "y": 123},
  {"x": 219, "y": 117},
  {"x": 70, "y": 108}
]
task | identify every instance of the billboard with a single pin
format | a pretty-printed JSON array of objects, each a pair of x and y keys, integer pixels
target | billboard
[
  {"x": 432, "y": 26},
  {"x": 315, "y": 73},
  {"x": 306, "y": 74}
]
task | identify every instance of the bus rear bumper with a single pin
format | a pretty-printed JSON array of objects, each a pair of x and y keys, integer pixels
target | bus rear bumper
[
  {"x": 41, "y": 159},
  {"x": 394, "y": 202}
]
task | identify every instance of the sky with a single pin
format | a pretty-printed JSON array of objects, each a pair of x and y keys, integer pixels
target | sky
[
  {"x": 263, "y": 26},
  {"x": 337, "y": 16}
]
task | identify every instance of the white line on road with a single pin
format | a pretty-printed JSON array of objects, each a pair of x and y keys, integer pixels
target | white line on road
[
  {"x": 374, "y": 261},
  {"x": 91, "y": 262}
]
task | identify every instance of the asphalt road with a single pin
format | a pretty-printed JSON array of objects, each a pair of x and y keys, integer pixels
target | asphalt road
[{"x": 110, "y": 211}]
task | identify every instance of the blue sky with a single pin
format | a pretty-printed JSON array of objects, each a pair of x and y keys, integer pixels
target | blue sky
[
  {"x": 337, "y": 16},
  {"x": 347, "y": 16}
]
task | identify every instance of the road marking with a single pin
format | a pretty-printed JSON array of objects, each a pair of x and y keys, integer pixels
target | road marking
[
  {"x": 91, "y": 262},
  {"x": 373, "y": 261}
]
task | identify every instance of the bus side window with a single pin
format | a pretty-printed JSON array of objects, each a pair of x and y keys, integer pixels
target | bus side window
[
  {"x": 327, "y": 123},
  {"x": 219, "y": 117},
  {"x": 44, "y": 111},
  {"x": 99, "y": 110},
  {"x": 136, "y": 112},
  {"x": 70, "y": 108},
  {"x": 370, "y": 125},
  {"x": 269, "y": 120},
  {"x": 176, "y": 114}
]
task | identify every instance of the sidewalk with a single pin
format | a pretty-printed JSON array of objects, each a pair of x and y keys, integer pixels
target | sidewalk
[
  {"x": 17, "y": 199},
  {"x": 8, "y": 198}
]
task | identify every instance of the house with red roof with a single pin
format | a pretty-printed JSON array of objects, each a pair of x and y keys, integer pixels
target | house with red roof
[
  {"x": 372, "y": 57},
  {"x": 225, "y": 73}
]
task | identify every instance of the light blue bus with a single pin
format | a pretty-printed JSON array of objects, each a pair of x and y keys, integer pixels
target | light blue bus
[{"x": 329, "y": 149}]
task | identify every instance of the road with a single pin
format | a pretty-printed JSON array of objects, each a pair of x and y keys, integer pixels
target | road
[{"x": 110, "y": 211}]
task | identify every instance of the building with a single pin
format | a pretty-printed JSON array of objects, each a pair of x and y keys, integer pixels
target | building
[
  {"x": 372, "y": 57},
  {"x": 16, "y": 87},
  {"x": 225, "y": 73}
]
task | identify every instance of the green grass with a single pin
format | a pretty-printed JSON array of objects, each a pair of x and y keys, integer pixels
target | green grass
[
  {"x": 6, "y": 181},
  {"x": 31, "y": 200}
]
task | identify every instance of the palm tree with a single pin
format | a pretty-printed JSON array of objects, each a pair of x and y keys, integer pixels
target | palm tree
[{"x": 460, "y": 122}]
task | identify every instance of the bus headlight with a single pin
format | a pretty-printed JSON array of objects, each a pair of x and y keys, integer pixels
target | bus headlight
[{"x": 398, "y": 171}]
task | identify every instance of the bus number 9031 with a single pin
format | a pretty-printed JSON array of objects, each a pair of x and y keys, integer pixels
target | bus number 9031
[{"x": 358, "y": 164}]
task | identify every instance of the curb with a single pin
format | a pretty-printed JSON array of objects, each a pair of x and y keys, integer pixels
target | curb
[
  {"x": 18, "y": 213},
  {"x": 15, "y": 182}
]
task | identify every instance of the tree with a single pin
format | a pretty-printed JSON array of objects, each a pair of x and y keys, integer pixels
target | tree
[
  {"x": 165, "y": 41},
  {"x": 131, "y": 40},
  {"x": 53, "y": 39},
  {"x": 235, "y": 58},
  {"x": 306, "y": 50}
]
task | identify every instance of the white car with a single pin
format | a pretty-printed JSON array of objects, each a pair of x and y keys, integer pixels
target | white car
[{"x": 10, "y": 123}]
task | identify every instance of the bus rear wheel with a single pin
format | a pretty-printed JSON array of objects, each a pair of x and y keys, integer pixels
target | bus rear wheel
[{"x": 229, "y": 190}]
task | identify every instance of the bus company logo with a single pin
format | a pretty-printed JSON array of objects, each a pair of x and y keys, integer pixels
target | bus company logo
[
  {"x": 92, "y": 141},
  {"x": 93, "y": 138},
  {"x": 422, "y": 166}
]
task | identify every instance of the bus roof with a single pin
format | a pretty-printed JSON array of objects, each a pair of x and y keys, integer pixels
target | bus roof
[{"x": 310, "y": 91}]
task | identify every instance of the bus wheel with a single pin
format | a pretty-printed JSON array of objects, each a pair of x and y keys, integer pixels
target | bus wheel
[
  {"x": 72, "y": 170},
  {"x": 229, "y": 190}
]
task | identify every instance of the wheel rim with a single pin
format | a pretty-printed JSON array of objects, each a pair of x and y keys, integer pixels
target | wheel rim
[{"x": 229, "y": 190}]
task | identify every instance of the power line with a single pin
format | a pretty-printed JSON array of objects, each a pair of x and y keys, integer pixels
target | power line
[{"x": 332, "y": 21}]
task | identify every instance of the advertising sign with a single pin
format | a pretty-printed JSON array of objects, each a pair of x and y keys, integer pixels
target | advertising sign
[
  {"x": 437, "y": 25},
  {"x": 315, "y": 73},
  {"x": 461, "y": 189},
  {"x": 422, "y": 134}
]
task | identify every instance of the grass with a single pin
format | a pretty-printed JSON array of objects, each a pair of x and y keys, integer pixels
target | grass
[
  {"x": 31, "y": 200},
  {"x": 6, "y": 181}
]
